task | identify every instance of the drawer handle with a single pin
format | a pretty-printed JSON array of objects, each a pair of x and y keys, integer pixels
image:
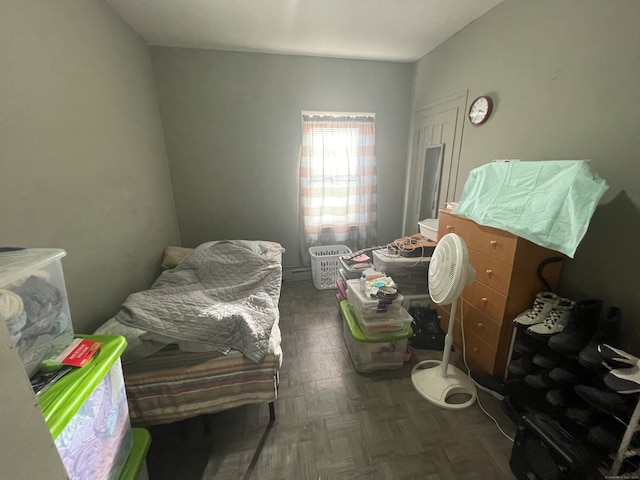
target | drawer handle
[
  {"x": 475, "y": 349},
  {"x": 480, "y": 325},
  {"x": 439, "y": 317},
  {"x": 489, "y": 272},
  {"x": 449, "y": 227},
  {"x": 493, "y": 243},
  {"x": 484, "y": 299}
]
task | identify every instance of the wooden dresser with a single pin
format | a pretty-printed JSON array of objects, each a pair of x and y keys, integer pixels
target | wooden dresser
[{"x": 505, "y": 285}]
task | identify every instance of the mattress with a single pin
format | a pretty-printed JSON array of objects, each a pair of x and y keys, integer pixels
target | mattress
[{"x": 173, "y": 385}]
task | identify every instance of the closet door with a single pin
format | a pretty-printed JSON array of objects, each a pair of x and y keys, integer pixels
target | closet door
[{"x": 433, "y": 169}]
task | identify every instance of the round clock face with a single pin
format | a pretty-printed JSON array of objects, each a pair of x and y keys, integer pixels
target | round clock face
[{"x": 480, "y": 110}]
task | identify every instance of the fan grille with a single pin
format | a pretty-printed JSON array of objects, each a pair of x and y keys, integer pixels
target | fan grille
[{"x": 449, "y": 269}]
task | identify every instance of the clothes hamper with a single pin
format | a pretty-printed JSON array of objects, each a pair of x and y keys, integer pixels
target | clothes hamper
[
  {"x": 88, "y": 416},
  {"x": 325, "y": 265}
]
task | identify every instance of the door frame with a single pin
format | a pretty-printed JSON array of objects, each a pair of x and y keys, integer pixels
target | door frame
[{"x": 454, "y": 101}]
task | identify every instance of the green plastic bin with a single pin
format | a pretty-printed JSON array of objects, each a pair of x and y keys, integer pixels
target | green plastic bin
[
  {"x": 136, "y": 466},
  {"x": 371, "y": 354},
  {"x": 88, "y": 416}
]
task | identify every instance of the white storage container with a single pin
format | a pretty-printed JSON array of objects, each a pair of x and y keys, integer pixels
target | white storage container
[
  {"x": 368, "y": 355},
  {"x": 325, "y": 265},
  {"x": 33, "y": 304},
  {"x": 368, "y": 306},
  {"x": 429, "y": 228}
]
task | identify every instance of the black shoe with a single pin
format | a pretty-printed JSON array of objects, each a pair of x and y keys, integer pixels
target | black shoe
[
  {"x": 547, "y": 358},
  {"x": 615, "y": 358},
  {"x": 623, "y": 380},
  {"x": 608, "y": 332},
  {"x": 523, "y": 399},
  {"x": 539, "y": 381},
  {"x": 570, "y": 374},
  {"x": 562, "y": 398},
  {"x": 581, "y": 415},
  {"x": 581, "y": 328},
  {"x": 607, "y": 402},
  {"x": 606, "y": 434},
  {"x": 526, "y": 345},
  {"x": 520, "y": 367}
]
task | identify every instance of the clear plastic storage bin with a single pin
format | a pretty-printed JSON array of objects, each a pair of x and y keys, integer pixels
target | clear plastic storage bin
[
  {"x": 367, "y": 306},
  {"x": 411, "y": 274},
  {"x": 375, "y": 327},
  {"x": 33, "y": 304},
  {"x": 325, "y": 265},
  {"x": 368, "y": 355}
]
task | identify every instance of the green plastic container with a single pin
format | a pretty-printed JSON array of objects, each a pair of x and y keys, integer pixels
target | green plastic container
[
  {"x": 371, "y": 354},
  {"x": 88, "y": 416},
  {"x": 136, "y": 466}
]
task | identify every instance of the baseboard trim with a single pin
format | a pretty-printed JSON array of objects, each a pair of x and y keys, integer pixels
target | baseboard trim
[{"x": 296, "y": 274}]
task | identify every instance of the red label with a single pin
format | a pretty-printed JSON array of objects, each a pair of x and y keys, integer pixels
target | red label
[{"x": 79, "y": 352}]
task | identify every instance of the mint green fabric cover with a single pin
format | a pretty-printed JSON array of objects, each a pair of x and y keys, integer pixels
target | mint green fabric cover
[{"x": 547, "y": 202}]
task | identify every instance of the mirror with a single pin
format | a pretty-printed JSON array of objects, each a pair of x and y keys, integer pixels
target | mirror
[{"x": 431, "y": 179}]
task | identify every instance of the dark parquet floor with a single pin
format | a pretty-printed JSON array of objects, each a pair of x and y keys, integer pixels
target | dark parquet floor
[{"x": 332, "y": 422}]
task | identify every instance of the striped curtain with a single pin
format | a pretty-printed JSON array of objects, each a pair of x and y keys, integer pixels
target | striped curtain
[{"x": 338, "y": 181}]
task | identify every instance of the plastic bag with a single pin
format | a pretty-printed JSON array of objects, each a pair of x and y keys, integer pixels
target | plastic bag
[{"x": 547, "y": 202}]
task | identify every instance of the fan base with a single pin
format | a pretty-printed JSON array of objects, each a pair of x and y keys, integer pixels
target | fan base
[{"x": 439, "y": 390}]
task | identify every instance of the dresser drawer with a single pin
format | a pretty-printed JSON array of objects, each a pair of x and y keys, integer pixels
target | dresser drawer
[
  {"x": 449, "y": 223},
  {"x": 476, "y": 350},
  {"x": 492, "y": 272},
  {"x": 490, "y": 241},
  {"x": 475, "y": 322},
  {"x": 485, "y": 328},
  {"x": 486, "y": 300}
]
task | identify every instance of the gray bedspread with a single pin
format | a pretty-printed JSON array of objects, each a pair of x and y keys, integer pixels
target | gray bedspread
[{"x": 223, "y": 295}]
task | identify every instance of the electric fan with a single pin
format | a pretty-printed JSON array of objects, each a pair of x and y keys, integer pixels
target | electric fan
[{"x": 436, "y": 380}]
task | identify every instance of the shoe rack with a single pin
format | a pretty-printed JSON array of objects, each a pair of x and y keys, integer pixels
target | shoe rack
[
  {"x": 624, "y": 450},
  {"x": 542, "y": 380}
]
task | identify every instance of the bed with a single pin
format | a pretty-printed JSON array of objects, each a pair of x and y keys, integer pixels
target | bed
[{"x": 205, "y": 337}]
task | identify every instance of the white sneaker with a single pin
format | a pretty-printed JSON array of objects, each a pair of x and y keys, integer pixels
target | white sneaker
[
  {"x": 544, "y": 302},
  {"x": 556, "y": 319}
]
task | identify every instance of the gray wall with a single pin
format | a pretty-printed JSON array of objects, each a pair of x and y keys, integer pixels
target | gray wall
[
  {"x": 564, "y": 75},
  {"x": 232, "y": 127},
  {"x": 83, "y": 162}
]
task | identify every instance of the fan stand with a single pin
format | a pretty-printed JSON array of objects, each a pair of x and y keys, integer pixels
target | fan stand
[{"x": 438, "y": 385}]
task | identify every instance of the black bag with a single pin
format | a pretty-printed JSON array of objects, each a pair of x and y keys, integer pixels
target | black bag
[{"x": 427, "y": 333}]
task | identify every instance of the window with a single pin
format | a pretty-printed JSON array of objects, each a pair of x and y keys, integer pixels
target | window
[{"x": 338, "y": 179}]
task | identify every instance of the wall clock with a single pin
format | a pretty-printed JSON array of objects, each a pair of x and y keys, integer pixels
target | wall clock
[{"x": 480, "y": 110}]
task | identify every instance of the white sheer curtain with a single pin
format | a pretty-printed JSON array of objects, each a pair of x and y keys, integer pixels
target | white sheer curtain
[{"x": 338, "y": 181}]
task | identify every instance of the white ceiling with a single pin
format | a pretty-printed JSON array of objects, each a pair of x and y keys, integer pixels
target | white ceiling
[{"x": 395, "y": 30}]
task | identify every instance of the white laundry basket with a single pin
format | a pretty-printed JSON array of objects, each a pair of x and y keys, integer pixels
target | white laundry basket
[{"x": 325, "y": 265}]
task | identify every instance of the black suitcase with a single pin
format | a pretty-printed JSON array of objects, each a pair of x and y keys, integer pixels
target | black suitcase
[{"x": 543, "y": 450}]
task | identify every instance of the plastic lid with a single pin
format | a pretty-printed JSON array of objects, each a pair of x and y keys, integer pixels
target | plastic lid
[
  {"x": 65, "y": 397},
  {"x": 398, "y": 319},
  {"x": 20, "y": 263},
  {"x": 383, "y": 256},
  {"x": 357, "y": 334}
]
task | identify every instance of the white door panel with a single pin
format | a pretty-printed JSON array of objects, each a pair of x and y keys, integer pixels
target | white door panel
[{"x": 437, "y": 125}]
